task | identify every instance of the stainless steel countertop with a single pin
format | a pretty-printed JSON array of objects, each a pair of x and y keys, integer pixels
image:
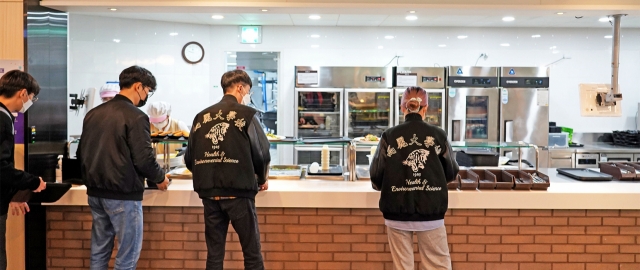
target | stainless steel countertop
[{"x": 600, "y": 147}]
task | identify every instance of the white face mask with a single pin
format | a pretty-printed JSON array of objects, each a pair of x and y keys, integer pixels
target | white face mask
[
  {"x": 26, "y": 105},
  {"x": 246, "y": 99},
  {"x": 161, "y": 124}
]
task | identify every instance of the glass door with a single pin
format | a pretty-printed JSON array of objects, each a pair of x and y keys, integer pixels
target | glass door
[
  {"x": 477, "y": 119},
  {"x": 435, "y": 111},
  {"x": 368, "y": 112},
  {"x": 318, "y": 113}
]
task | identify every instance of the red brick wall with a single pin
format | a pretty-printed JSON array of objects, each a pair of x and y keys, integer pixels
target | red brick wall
[{"x": 294, "y": 238}]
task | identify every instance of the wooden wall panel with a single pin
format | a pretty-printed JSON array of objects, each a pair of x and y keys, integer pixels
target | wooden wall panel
[{"x": 11, "y": 37}]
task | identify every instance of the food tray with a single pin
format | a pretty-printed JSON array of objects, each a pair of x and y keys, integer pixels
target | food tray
[
  {"x": 485, "y": 180},
  {"x": 540, "y": 183},
  {"x": 584, "y": 174},
  {"x": 618, "y": 170},
  {"x": 504, "y": 180},
  {"x": 360, "y": 140},
  {"x": 466, "y": 183},
  {"x": 180, "y": 173},
  {"x": 285, "y": 172},
  {"x": 333, "y": 170},
  {"x": 362, "y": 173}
]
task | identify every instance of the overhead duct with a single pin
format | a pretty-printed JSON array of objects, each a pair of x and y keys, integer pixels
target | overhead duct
[{"x": 613, "y": 95}]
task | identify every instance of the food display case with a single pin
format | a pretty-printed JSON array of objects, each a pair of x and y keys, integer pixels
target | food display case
[
  {"x": 432, "y": 80},
  {"x": 318, "y": 112},
  {"x": 368, "y": 111}
]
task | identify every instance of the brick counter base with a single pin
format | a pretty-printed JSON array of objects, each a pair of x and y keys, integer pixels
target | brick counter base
[{"x": 294, "y": 238}]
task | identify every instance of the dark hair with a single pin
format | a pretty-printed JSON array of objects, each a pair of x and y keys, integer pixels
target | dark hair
[
  {"x": 16, "y": 80},
  {"x": 233, "y": 77},
  {"x": 134, "y": 74}
]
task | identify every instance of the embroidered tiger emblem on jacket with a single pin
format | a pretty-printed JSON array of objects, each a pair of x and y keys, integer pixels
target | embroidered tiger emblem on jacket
[
  {"x": 217, "y": 132},
  {"x": 416, "y": 159}
]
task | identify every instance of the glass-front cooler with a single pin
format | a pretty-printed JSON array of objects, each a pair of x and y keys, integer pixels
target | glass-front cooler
[
  {"x": 435, "y": 111},
  {"x": 368, "y": 111},
  {"x": 319, "y": 113}
]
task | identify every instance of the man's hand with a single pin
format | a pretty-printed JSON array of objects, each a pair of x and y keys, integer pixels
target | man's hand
[
  {"x": 18, "y": 208},
  {"x": 164, "y": 185},
  {"x": 264, "y": 187},
  {"x": 43, "y": 186}
]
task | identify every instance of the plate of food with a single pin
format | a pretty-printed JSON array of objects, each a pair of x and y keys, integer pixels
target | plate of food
[
  {"x": 274, "y": 137},
  {"x": 369, "y": 139}
]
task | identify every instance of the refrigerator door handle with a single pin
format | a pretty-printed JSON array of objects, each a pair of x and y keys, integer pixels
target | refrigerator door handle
[
  {"x": 508, "y": 130},
  {"x": 456, "y": 131}
]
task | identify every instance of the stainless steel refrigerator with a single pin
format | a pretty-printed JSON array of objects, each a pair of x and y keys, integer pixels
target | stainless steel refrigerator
[
  {"x": 524, "y": 107},
  {"x": 473, "y": 104},
  {"x": 432, "y": 80}
]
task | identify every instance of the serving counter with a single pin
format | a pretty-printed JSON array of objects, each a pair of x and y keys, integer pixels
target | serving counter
[{"x": 311, "y": 224}]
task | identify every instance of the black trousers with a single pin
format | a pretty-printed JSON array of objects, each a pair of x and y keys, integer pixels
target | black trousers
[
  {"x": 3, "y": 242},
  {"x": 241, "y": 212}
]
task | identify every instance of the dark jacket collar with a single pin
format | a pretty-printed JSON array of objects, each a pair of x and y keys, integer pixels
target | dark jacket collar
[
  {"x": 122, "y": 98},
  {"x": 413, "y": 117},
  {"x": 229, "y": 98},
  {"x": 10, "y": 113}
]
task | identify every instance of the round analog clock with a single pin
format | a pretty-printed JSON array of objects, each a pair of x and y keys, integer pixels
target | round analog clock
[{"x": 193, "y": 52}]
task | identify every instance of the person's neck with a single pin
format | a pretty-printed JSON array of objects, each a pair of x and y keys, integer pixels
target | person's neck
[
  {"x": 9, "y": 103},
  {"x": 131, "y": 95},
  {"x": 235, "y": 95}
]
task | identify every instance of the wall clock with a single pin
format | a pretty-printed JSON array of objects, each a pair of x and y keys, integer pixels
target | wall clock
[{"x": 193, "y": 52}]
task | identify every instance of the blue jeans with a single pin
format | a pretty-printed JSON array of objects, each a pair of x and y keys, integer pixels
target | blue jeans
[{"x": 113, "y": 218}]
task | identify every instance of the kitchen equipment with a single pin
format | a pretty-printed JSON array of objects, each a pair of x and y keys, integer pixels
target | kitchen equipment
[
  {"x": 586, "y": 160},
  {"x": 524, "y": 107},
  {"x": 473, "y": 104},
  {"x": 636, "y": 157},
  {"x": 616, "y": 157},
  {"x": 560, "y": 158},
  {"x": 559, "y": 140},
  {"x": 432, "y": 80},
  {"x": 473, "y": 157},
  {"x": 584, "y": 174},
  {"x": 333, "y": 170},
  {"x": 618, "y": 171}
]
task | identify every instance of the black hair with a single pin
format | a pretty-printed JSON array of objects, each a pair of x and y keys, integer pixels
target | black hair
[
  {"x": 16, "y": 80},
  {"x": 134, "y": 74},
  {"x": 233, "y": 77}
]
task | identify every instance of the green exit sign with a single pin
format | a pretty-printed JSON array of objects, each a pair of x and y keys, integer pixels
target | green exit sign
[{"x": 250, "y": 34}]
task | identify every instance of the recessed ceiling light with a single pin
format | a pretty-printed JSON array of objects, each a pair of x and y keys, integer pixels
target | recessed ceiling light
[
  {"x": 508, "y": 19},
  {"x": 412, "y": 11},
  {"x": 411, "y": 18},
  {"x": 217, "y": 17},
  {"x": 315, "y": 17},
  {"x": 535, "y": 36},
  {"x": 233, "y": 56},
  {"x": 554, "y": 52},
  {"x": 264, "y": 10},
  {"x": 462, "y": 37},
  {"x": 560, "y": 13},
  {"x": 315, "y": 36},
  {"x": 315, "y": 46},
  {"x": 173, "y": 34},
  {"x": 113, "y": 9},
  {"x": 116, "y": 40},
  {"x": 605, "y": 19},
  {"x": 380, "y": 47},
  {"x": 505, "y": 44},
  {"x": 442, "y": 45},
  {"x": 552, "y": 48},
  {"x": 608, "y": 36},
  {"x": 389, "y": 37}
]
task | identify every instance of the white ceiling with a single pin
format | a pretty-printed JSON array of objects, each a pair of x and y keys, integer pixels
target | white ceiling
[{"x": 471, "y": 17}]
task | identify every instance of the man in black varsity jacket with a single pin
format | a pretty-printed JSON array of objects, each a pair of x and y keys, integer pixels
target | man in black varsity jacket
[
  {"x": 411, "y": 167},
  {"x": 228, "y": 154}
]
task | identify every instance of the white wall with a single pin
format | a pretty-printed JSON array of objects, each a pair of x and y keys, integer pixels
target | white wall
[{"x": 95, "y": 58}]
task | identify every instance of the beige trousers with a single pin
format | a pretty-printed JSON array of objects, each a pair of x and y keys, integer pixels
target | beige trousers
[{"x": 432, "y": 245}]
